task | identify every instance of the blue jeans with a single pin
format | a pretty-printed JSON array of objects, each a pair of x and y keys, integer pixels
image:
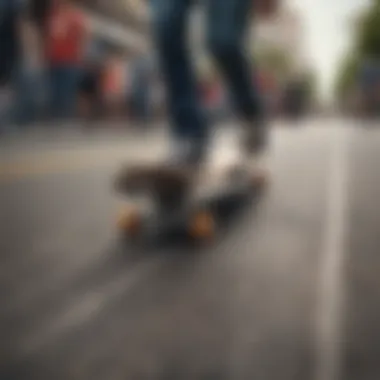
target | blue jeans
[
  {"x": 26, "y": 87},
  {"x": 227, "y": 24},
  {"x": 64, "y": 83},
  {"x": 29, "y": 91},
  {"x": 140, "y": 103}
]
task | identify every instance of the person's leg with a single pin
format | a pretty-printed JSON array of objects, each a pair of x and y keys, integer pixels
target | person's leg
[
  {"x": 19, "y": 99},
  {"x": 228, "y": 24},
  {"x": 170, "y": 19},
  {"x": 63, "y": 82},
  {"x": 54, "y": 98},
  {"x": 25, "y": 96},
  {"x": 145, "y": 108},
  {"x": 141, "y": 107},
  {"x": 35, "y": 94},
  {"x": 5, "y": 107},
  {"x": 69, "y": 88}
]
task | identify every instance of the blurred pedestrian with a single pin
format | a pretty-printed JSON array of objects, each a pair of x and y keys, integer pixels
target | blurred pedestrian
[
  {"x": 140, "y": 89},
  {"x": 11, "y": 16},
  {"x": 90, "y": 90},
  {"x": 113, "y": 85},
  {"x": 29, "y": 82},
  {"x": 66, "y": 42}
]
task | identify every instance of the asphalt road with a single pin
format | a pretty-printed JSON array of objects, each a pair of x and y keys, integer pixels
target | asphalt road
[{"x": 288, "y": 292}]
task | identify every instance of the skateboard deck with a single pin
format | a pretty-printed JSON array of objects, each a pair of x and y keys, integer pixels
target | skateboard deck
[{"x": 164, "y": 200}]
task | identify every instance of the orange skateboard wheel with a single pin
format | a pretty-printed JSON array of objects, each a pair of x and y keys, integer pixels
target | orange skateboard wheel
[
  {"x": 130, "y": 222},
  {"x": 202, "y": 226}
]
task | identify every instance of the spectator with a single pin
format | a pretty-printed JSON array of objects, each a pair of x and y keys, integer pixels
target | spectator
[
  {"x": 11, "y": 15},
  {"x": 90, "y": 90},
  {"x": 113, "y": 84},
  {"x": 29, "y": 83},
  {"x": 32, "y": 85},
  {"x": 140, "y": 89},
  {"x": 65, "y": 49}
]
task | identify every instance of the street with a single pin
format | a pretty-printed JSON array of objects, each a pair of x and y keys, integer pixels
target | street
[{"x": 289, "y": 292}]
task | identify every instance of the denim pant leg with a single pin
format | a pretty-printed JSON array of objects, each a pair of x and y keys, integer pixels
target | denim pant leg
[
  {"x": 69, "y": 87},
  {"x": 170, "y": 21},
  {"x": 19, "y": 106},
  {"x": 54, "y": 97},
  {"x": 5, "y": 107},
  {"x": 228, "y": 23},
  {"x": 27, "y": 92},
  {"x": 64, "y": 81}
]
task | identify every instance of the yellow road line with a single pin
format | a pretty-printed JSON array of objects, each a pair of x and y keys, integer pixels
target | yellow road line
[
  {"x": 56, "y": 163},
  {"x": 23, "y": 170},
  {"x": 53, "y": 162}
]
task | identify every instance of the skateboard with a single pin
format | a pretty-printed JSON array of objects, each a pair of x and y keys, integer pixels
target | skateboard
[{"x": 164, "y": 200}]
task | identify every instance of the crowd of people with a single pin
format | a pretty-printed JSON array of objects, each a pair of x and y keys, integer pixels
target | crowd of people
[{"x": 53, "y": 67}]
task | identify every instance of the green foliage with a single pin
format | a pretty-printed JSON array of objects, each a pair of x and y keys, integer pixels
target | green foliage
[
  {"x": 366, "y": 44},
  {"x": 367, "y": 41},
  {"x": 347, "y": 74}
]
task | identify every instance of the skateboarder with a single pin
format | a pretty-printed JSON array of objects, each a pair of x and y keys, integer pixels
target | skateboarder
[{"x": 227, "y": 24}]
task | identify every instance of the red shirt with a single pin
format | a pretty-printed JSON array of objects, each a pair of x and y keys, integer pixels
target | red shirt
[{"x": 66, "y": 36}]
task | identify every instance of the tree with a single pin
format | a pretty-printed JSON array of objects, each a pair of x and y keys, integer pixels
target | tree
[
  {"x": 367, "y": 42},
  {"x": 366, "y": 45},
  {"x": 347, "y": 74}
]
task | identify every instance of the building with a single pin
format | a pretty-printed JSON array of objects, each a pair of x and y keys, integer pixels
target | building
[
  {"x": 120, "y": 22},
  {"x": 286, "y": 33}
]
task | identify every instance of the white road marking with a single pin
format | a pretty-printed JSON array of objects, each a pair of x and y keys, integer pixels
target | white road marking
[
  {"x": 331, "y": 291},
  {"x": 83, "y": 307}
]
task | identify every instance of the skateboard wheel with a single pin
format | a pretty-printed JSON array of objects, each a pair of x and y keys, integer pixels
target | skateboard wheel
[
  {"x": 130, "y": 222},
  {"x": 202, "y": 226}
]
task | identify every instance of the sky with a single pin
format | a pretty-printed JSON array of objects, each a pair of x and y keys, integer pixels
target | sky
[{"x": 327, "y": 36}]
